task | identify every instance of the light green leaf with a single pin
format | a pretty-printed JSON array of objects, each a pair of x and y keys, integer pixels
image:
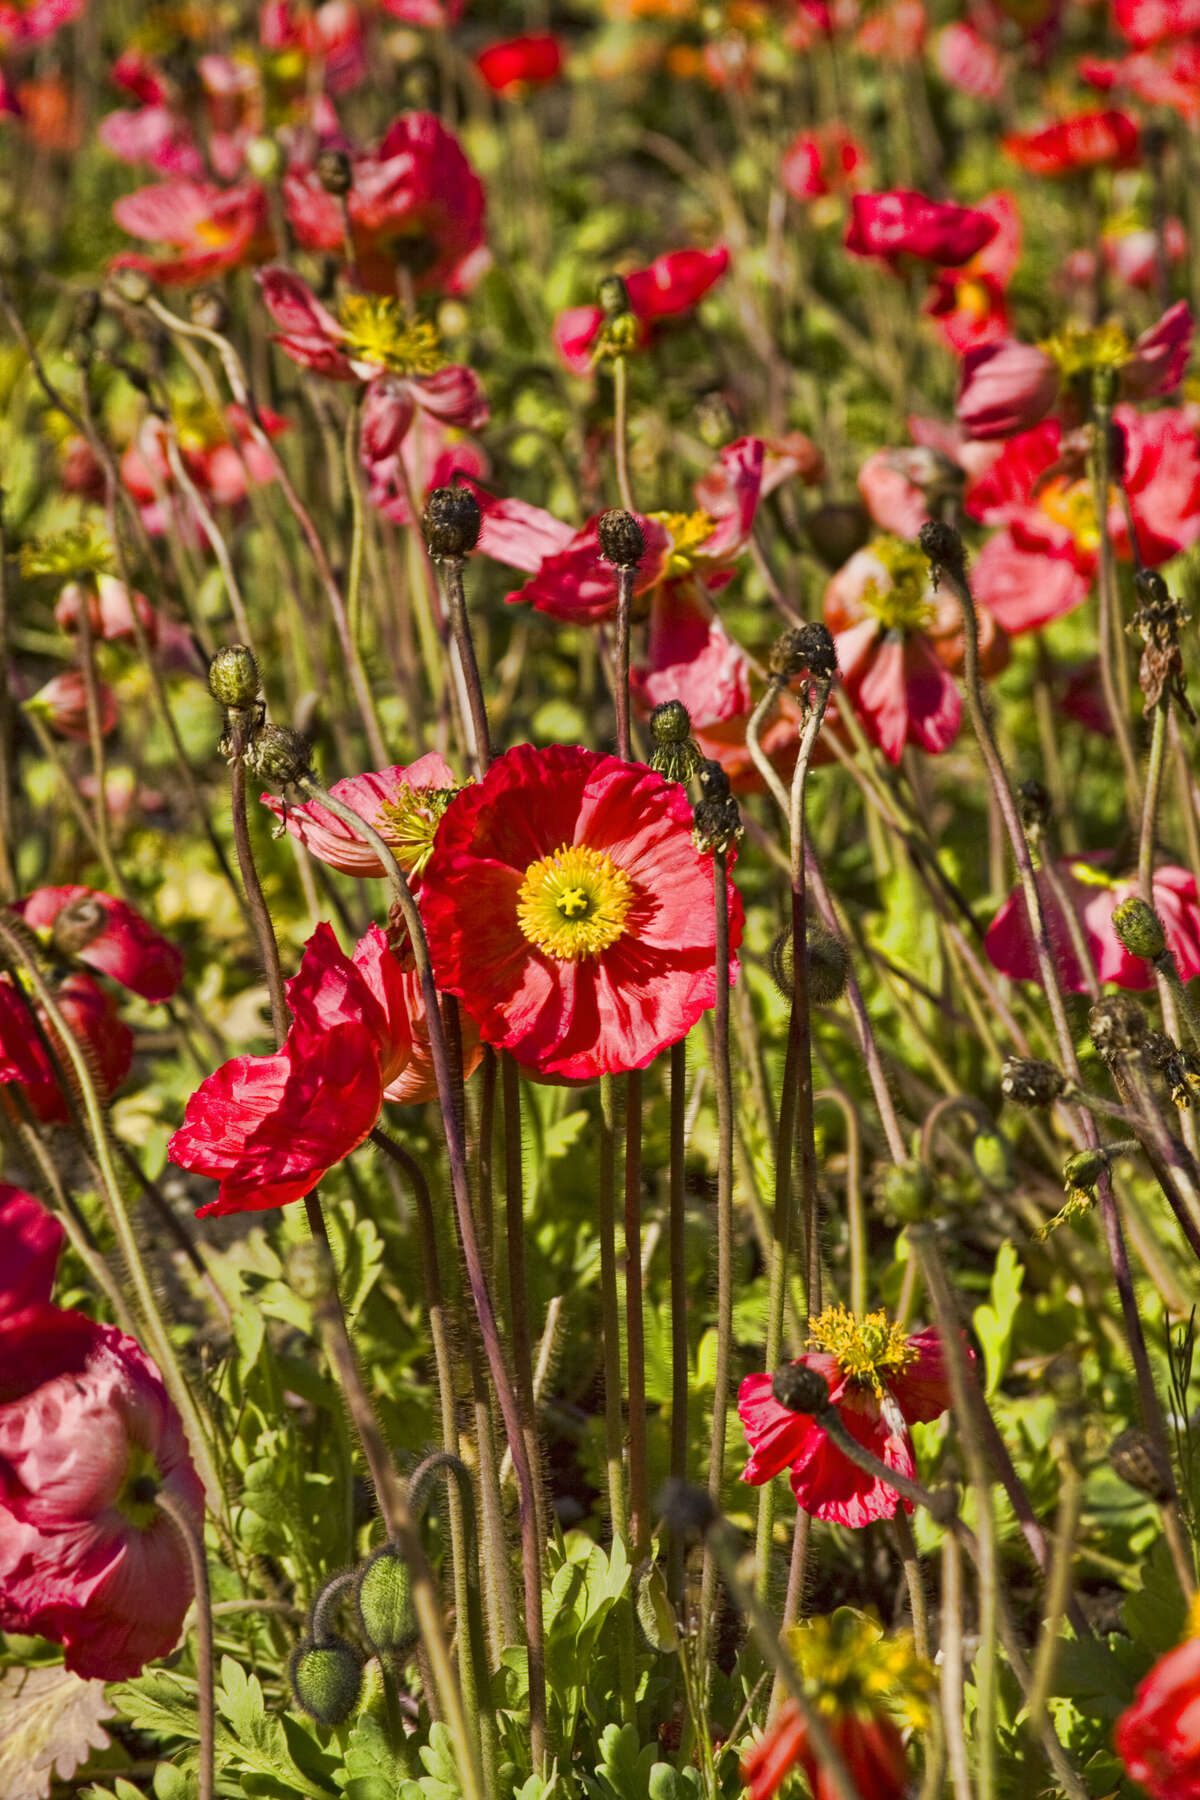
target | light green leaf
[{"x": 994, "y": 1320}]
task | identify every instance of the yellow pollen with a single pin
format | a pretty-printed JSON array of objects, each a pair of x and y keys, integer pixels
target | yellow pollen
[
  {"x": 866, "y": 1350},
  {"x": 574, "y": 903},
  {"x": 1070, "y": 503},
  {"x": 857, "y": 1670},
  {"x": 376, "y": 331},
  {"x": 688, "y": 532},
  {"x": 1078, "y": 349},
  {"x": 906, "y": 604},
  {"x": 409, "y": 824}
]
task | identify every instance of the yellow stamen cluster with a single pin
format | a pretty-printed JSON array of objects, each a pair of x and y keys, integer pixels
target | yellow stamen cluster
[
  {"x": 71, "y": 555},
  {"x": 866, "y": 1350},
  {"x": 906, "y": 603},
  {"x": 1077, "y": 349},
  {"x": 1070, "y": 503},
  {"x": 574, "y": 903},
  {"x": 134, "y": 1500},
  {"x": 198, "y": 424},
  {"x": 688, "y": 532},
  {"x": 377, "y": 331},
  {"x": 410, "y": 821},
  {"x": 853, "y": 1668}
]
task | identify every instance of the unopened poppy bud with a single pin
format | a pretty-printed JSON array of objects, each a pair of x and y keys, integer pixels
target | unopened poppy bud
[
  {"x": 670, "y": 723},
  {"x": 800, "y": 1389},
  {"x": 280, "y": 755},
  {"x": 451, "y": 523},
  {"x": 326, "y": 1680},
  {"x": 943, "y": 546},
  {"x": 1137, "y": 1461},
  {"x": 906, "y": 1191},
  {"x": 1139, "y": 928},
  {"x": 208, "y": 309},
  {"x": 622, "y": 542},
  {"x": 1082, "y": 1171},
  {"x": 1028, "y": 1081},
  {"x": 385, "y": 1604},
  {"x": 264, "y": 159},
  {"x": 233, "y": 677},
  {"x": 675, "y": 756},
  {"x": 133, "y": 286},
  {"x": 335, "y": 172},
  {"x": 78, "y": 925},
  {"x": 804, "y": 647},
  {"x": 1034, "y": 805},
  {"x": 686, "y": 1508},
  {"x": 827, "y": 960},
  {"x": 1117, "y": 1024},
  {"x": 716, "y": 824},
  {"x": 613, "y": 296}
]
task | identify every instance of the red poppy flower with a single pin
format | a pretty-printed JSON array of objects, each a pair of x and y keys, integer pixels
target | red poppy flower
[
  {"x": 827, "y": 161},
  {"x": 32, "y": 1240},
  {"x": 1042, "y": 562},
  {"x": 872, "y": 1749},
  {"x": 415, "y": 202},
  {"x": 568, "y": 908},
  {"x": 1168, "y": 75},
  {"x": 331, "y": 36},
  {"x": 903, "y": 223},
  {"x": 1158, "y": 1736},
  {"x": 62, "y": 702},
  {"x": 403, "y": 804},
  {"x": 1146, "y": 22},
  {"x": 967, "y": 304},
  {"x": 108, "y": 935},
  {"x": 672, "y": 284},
  {"x": 87, "y": 1434},
  {"x": 220, "y": 453},
  {"x": 269, "y": 1127},
  {"x": 34, "y": 23},
  {"x": 91, "y": 1017},
  {"x": 1089, "y": 140},
  {"x": 212, "y": 229},
  {"x": 520, "y": 62},
  {"x": 881, "y": 1383},
  {"x": 1094, "y": 895}
]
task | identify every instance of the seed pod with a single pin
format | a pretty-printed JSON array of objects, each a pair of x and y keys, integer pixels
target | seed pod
[
  {"x": 613, "y": 296},
  {"x": 280, "y": 755},
  {"x": 1139, "y": 928},
  {"x": 451, "y": 523},
  {"x": 1117, "y": 1024},
  {"x": 622, "y": 541},
  {"x": 1137, "y": 1460},
  {"x": 1028, "y": 1081},
  {"x": 325, "y": 1679},
  {"x": 78, "y": 924},
  {"x": 800, "y": 1388},
  {"x": 943, "y": 546},
  {"x": 716, "y": 824},
  {"x": 233, "y": 677},
  {"x": 804, "y": 647},
  {"x": 385, "y": 1605},
  {"x": 1033, "y": 803}
]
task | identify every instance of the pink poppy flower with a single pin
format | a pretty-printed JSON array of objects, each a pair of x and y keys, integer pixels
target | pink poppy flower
[
  {"x": 881, "y": 1383},
  {"x": 415, "y": 202},
  {"x": 1088, "y": 140},
  {"x": 967, "y": 304},
  {"x": 671, "y": 285},
  {"x": 87, "y": 1436},
  {"x": 1146, "y": 22},
  {"x": 91, "y": 1017},
  {"x": 430, "y": 15},
  {"x": 431, "y": 454},
  {"x": 403, "y": 804},
  {"x": 1041, "y": 564},
  {"x": 969, "y": 61},
  {"x": 111, "y": 611},
  {"x": 332, "y": 36},
  {"x": 222, "y": 457},
  {"x": 22, "y": 25},
  {"x": 32, "y": 1239},
  {"x": 514, "y": 64},
  {"x": 108, "y": 935},
  {"x": 1093, "y": 894},
  {"x": 62, "y": 702},
  {"x": 826, "y": 161},
  {"x": 1167, "y": 75},
  {"x": 903, "y": 223},
  {"x": 213, "y": 229}
]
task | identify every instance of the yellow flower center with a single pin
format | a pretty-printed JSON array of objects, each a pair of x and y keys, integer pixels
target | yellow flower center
[
  {"x": 1088, "y": 875},
  {"x": 135, "y": 1501},
  {"x": 905, "y": 604},
  {"x": 688, "y": 531},
  {"x": 1070, "y": 503},
  {"x": 1079, "y": 348},
  {"x": 72, "y": 554},
  {"x": 574, "y": 903},
  {"x": 853, "y": 1668},
  {"x": 972, "y": 297},
  {"x": 410, "y": 823},
  {"x": 866, "y": 1350},
  {"x": 198, "y": 425},
  {"x": 377, "y": 331}
]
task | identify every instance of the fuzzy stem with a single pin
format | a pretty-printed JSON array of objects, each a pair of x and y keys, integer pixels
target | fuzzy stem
[
  {"x": 518, "y": 1286},
  {"x": 620, "y": 430},
  {"x": 193, "y": 1542},
  {"x": 679, "y": 1304},
  {"x": 460, "y": 625},
  {"x": 621, "y": 672},
  {"x": 907, "y": 1546},
  {"x": 1113, "y": 674},
  {"x": 639, "y": 1492}
]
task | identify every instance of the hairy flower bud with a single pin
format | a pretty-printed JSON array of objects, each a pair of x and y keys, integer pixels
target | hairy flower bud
[
  {"x": 1137, "y": 1460},
  {"x": 800, "y": 1389},
  {"x": 335, "y": 172},
  {"x": 622, "y": 542},
  {"x": 717, "y": 823},
  {"x": 325, "y": 1679},
  {"x": 613, "y": 296},
  {"x": 133, "y": 286},
  {"x": 1082, "y": 1171},
  {"x": 944, "y": 547},
  {"x": 451, "y": 523},
  {"x": 1034, "y": 805},
  {"x": 1117, "y": 1024},
  {"x": 233, "y": 677},
  {"x": 1139, "y": 928},
  {"x": 827, "y": 959},
  {"x": 804, "y": 647},
  {"x": 670, "y": 722},
  {"x": 280, "y": 755},
  {"x": 676, "y": 755},
  {"x": 1028, "y": 1081},
  {"x": 208, "y": 308},
  {"x": 385, "y": 1604}
]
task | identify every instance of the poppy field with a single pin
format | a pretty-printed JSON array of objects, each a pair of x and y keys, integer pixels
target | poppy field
[{"x": 599, "y": 931}]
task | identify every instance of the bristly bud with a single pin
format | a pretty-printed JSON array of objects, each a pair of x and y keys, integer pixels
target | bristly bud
[
  {"x": 944, "y": 548},
  {"x": 451, "y": 523},
  {"x": 233, "y": 677},
  {"x": 1117, "y": 1024},
  {"x": 326, "y": 1680},
  {"x": 804, "y": 648},
  {"x": 1179, "y": 1068},
  {"x": 613, "y": 296},
  {"x": 78, "y": 924},
  {"x": 1082, "y": 1171},
  {"x": 716, "y": 824},
  {"x": 622, "y": 541},
  {"x": 1034, "y": 805},
  {"x": 1139, "y": 929},
  {"x": 800, "y": 1389},
  {"x": 335, "y": 172},
  {"x": 827, "y": 959},
  {"x": 686, "y": 1508},
  {"x": 713, "y": 779},
  {"x": 676, "y": 755},
  {"x": 906, "y": 1191},
  {"x": 1137, "y": 1461},
  {"x": 208, "y": 308},
  {"x": 280, "y": 755},
  {"x": 1028, "y": 1081},
  {"x": 670, "y": 723},
  {"x": 133, "y": 286},
  {"x": 385, "y": 1605}
]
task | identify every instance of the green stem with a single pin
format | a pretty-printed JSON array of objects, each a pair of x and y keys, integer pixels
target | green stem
[
  {"x": 635, "y": 1348},
  {"x": 193, "y": 1542},
  {"x": 679, "y": 1306},
  {"x": 620, "y": 430}
]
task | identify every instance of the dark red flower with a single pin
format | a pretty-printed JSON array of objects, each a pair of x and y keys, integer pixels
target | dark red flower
[
  {"x": 1089, "y": 140},
  {"x": 1093, "y": 894},
  {"x": 87, "y": 1436},
  {"x": 1158, "y": 1736},
  {"x": 903, "y": 223},
  {"x": 107, "y": 934},
  {"x": 31, "y": 1240},
  {"x": 569, "y": 910},
  {"x": 672, "y": 284},
  {"x": 520, "y": 62},
  {"x": 91, "y": 1017},
  {"x": 872, "y": 1749}
]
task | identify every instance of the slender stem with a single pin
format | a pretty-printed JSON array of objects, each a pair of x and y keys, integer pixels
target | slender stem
[
  {"x": 1154, "y": 775},
  {"x": 907, "y": 1546},
  {"x": 1058, "y": 1588},
  {"x": 518, "y": 1285},
  {"x": 621, "y": 672},
  {"x": 620, "y": 430},
  {"x": 952, "y": 1666},
  {"x": 1113, "y": 673},
  {"x": 264, "y": 930},
  {"x": 193, "y": 1541},
  {"x": 856, "y": 1224},
  {"x": 357, "y": 527},
  {"x": 460, "y": 625},
  {"x": 679, "y": 1305},
  {"x": 780, "y": 1249},
  {"x": 635, "y": 1347},
  {"x": 95, "y": 731}
]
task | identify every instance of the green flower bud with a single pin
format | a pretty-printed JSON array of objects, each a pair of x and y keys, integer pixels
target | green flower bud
[
  {"x": 264, "y": 159},
  {"x": 233, "y": 677},
  {"x": 1082, "y": 1171},
  {"x": 1137, "y": 1461},
  {"x": 385, "y": 1604},
  {"x": 325, "y": 1679},
  {"x": 906, "y": 1191},
  {"x": 992, "y": 1157},
  {"x": 613, "y": 296},
  {"x": 280, "y": 755},
  {"x": 1139, "y": 928}
]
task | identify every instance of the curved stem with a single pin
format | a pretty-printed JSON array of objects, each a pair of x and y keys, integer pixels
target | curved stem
[
  {"x": 620, "y": 430},
  {"x": 193, "y": 1542}
]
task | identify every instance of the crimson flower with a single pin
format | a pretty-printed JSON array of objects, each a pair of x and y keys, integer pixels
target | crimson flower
[
  {"x": 1089, "y": 140},
  {"x": 1093, "y": 895},
  {"x": 569, "y": 910},
  {"x": 516, "y": 63},
  {"x": 967, "y": 304},
  {"x": 1158, "y": 1736},
  {"x": 872, "y": 1749},
  {"x": 108, "y": 935},
  {"x": 672, "y": 284},
  {"x": 904, "y": 223},
  {"x": 88, "y": 1436},
  {"x": 33, "y": 24},
  {"x": 881, "y": 1383},
  {"x": 212, "y": 229},
  {"x": 62, "y": 702},
  {"x": 404, "y": 806},
  {"x": 1146, "y": 22},
  {"x": 32, "y": 1240},
  {"x": 90, "y": 1016},
  {"x": 826, "y": 161},
  {"x": 415, "y": 202}
]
